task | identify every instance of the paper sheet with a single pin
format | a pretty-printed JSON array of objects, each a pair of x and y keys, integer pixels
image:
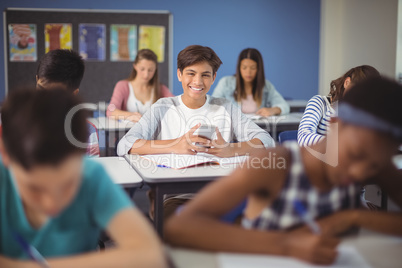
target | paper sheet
[
  {"x": 179, "y": 161},
  {"x": 348, "y": 257}
]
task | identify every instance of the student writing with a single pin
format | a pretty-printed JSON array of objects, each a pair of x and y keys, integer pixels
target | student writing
[
  {"x": 55, "y": 199},
  {"x": 315, "y": 121},
  {"x": 326, "y": 178},
  {"x": 249, "y": 88},
  {"x": 65, "y": 68},
  {"x": 133, "y": 97}
]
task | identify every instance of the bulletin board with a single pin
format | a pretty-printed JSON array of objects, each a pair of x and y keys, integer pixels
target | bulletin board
[{"x": 107, "y": 39}]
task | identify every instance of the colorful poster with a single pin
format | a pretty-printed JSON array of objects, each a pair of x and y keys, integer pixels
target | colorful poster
[
  {"x": 22, "y": 38},
  {"x": 123, "y": 42},
  {"x": 92, "y": 43},
  {"x": 153, "y": 37},
  {"x": 58, "y": 36}
]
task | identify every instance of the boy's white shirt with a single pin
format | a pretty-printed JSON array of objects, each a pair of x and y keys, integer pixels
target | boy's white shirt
[{"x": 170, "y": 118}]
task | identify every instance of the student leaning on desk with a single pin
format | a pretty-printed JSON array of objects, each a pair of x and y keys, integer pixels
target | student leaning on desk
[
  {"x": 325, "y": 178},
  {"x": 249, "y": 89},
  {"x": 53, "y": 200},
  {"x": 170, "y": 125},
  {"x": 65, "y": 68},
  {"x": 133, "y": 97}
]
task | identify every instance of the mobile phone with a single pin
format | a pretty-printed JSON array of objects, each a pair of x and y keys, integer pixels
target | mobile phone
[{"x": 205, "y": 131}]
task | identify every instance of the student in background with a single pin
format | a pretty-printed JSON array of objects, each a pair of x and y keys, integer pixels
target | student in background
[
  {"x": 358, "y": 150},
  {"x": 170, "y": 125},
  {"x": 57, "y": 200},
  {"x": 249, "y": 89},
  {"x": 65, "y": 68},
  {"x": 133, "y": 97},
  {"x": 315, "y": 121}
]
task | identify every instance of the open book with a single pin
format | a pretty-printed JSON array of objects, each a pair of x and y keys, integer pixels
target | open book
[{"x": 180, "y": 161}]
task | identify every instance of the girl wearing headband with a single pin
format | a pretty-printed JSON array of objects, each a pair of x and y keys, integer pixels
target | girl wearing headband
[{"x": 326, "y": 178}]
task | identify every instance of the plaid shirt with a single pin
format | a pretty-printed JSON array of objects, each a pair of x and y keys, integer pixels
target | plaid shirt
[{"x": 281, "y": 214}]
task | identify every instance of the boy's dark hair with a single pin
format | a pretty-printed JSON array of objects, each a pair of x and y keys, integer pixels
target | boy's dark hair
[
  {"x": 33, "y": 126},
  {"x": 378, "y": 96},
  {"x": 61, "y": 66},
  {"x": 195, "y": 54}
]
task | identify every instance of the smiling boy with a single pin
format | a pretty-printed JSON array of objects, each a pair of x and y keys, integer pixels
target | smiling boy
[{"x": 169, "y": 126}]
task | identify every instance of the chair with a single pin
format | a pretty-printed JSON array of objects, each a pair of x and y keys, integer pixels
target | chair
[{"x": 287, "y": 135}]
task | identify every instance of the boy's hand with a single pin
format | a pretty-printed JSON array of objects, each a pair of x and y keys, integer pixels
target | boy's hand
[
  {"x": 186, "y": 143},
  {"x": 318, "y": 249},
  {"x": 220, "y": 147},
  {"x": 6, "y": 262}
]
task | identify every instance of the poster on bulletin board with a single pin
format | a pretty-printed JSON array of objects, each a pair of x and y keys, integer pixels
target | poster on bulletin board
[
  {"x": 22, "y": 40},
  {"x": 92, "y": 41},
  {"x": 58, "y": 36},
  {"x": 153, "y": 37},
  {"x": 123, "y": 42},
  {"x": 108, "y": 40}
]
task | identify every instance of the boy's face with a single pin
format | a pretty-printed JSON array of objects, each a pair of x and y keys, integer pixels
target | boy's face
[
  {"x": 47, "y": 190},
  {"x": 196, "y": 80},
  {"x": 362, "y": 153}
]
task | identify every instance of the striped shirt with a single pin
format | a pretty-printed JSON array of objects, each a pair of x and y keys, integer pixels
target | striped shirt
[
  {"x": 281, "y": 213},
  {"x": 315, "y": 121}
]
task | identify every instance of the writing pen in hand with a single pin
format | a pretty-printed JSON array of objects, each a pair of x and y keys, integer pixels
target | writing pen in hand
[
  {"x": 308, "y": 220},
  {"x": 31, "y": 251}
]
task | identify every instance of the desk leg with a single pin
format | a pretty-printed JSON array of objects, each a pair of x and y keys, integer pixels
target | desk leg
[{"x": 158, "y": 210}]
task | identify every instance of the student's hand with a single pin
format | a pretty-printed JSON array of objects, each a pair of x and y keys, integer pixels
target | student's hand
[
  {"x": 220, "y": 147},
  {"x": 269, "y": 111},
  {"x": 318, "y": 249},
  {"x": 10, "y": 263},
  {"x": 134, "y": 117},
  {"x": 186, "y": 143},
  {"x": 339, "y": 222}
]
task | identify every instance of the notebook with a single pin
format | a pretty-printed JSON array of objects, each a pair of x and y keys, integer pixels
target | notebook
[
  {"x": 348, "y": 257},
  {"x": 181, "y": 161}
]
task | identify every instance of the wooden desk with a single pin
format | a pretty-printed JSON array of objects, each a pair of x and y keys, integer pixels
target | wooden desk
[
  {"x": 120, "y": 171},
  {"x": 276, "y": 124},
  {"x": 111, "y": 129},
  {"x": 171, "y": 181},
  {"x": 378, "y": 250}
]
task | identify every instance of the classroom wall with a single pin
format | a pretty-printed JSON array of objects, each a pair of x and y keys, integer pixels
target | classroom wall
[
  {"x": 286, "y": 33},
  {"x": 356, "y": 32}
]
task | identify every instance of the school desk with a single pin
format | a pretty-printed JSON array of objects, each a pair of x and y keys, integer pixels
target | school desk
[
  {"x": 377, "y": 250},
  {"x": 120, "y": 171},
  {"x": 297, "y": 106},
  {"x": 277, "y": 124},
  {"x": 174, "y": 181},
  {"x": 110, "y": 129}
]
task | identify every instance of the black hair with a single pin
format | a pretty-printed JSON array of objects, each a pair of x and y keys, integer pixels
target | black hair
[
  {"x": 195, "y": 54},
  {"x": 33, "y": 128},
  {"x": 378, "y": 96},
  {"x": 61, "y": 66}
]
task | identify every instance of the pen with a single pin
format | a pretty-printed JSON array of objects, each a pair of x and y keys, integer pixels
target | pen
[
  {"x": 162, "y": 166},
  {"x": 308, "y": 220},
  {"x": 32, "y": 252}
]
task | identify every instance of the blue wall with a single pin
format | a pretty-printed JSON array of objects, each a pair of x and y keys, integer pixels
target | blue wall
[{"x": 285, "y": 32}]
